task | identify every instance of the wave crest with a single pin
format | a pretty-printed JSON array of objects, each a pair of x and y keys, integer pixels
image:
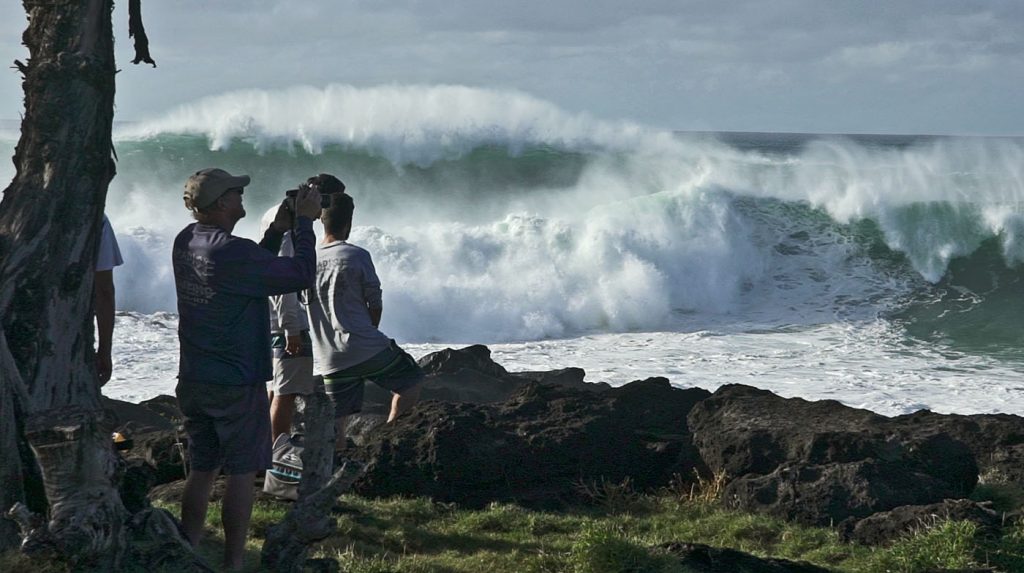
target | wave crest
[{"x": 408, "y": 124}]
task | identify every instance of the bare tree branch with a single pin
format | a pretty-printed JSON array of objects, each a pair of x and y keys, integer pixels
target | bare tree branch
[{"x": 138, "y": 31}]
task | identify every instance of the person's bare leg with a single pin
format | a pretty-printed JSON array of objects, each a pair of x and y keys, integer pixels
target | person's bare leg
[
  {"x": 282, "y": 412},
  {"x": 400, "y": 403},
  {"x": 235, "y": 513},
  {"x": 194, "y": 501}
]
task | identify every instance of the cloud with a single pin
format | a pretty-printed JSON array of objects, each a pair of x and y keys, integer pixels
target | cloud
[{"x": 742, "y": 64}]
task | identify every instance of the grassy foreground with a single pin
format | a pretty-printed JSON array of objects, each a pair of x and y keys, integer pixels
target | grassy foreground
[{"x": 614, "y": 535}]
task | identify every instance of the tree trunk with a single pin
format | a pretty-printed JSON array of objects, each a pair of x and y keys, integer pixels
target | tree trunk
[
  {"x": 12, "y": 490},
  {"x": 309, "y": 519},
  {"x": 318, "y": 443},
  {"x": 49, "y": 231},
  {"x": 307, "y": 522}
]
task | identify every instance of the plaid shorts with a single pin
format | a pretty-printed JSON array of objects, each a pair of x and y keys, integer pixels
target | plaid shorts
[{"x": 392, "y": 369}]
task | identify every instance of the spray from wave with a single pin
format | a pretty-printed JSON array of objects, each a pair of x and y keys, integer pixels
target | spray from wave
[{"x": 496, "y": 216}]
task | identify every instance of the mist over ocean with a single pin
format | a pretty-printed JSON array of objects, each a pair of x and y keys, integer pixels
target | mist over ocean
[{"x": 882, "y": 271}]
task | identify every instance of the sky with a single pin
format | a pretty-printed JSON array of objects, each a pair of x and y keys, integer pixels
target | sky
[{"x": 823, "y": 66}]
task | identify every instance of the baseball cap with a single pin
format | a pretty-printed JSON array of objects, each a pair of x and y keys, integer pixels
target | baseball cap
[{"x": 207, "y": 185}]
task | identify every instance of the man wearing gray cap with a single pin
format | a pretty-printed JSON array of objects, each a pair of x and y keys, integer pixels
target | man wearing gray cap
[{"x": 223, "y": 282}]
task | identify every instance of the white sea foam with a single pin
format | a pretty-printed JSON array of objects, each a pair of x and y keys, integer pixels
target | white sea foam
[
  {"x": 860, "y": 364},
  {"x": 978, "y": 181},
  {"x": 655, "y": 231},
  {"x": 663, "y": 254}
]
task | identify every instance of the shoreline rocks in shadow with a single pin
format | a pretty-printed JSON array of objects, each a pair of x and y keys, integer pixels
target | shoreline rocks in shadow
[
  {"x": 536, "y": 448},
  {"x": 819, "y": 463},
  {"x": 482, "y": 434}
]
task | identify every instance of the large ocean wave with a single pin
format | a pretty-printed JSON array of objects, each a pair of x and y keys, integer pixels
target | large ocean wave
[{"x": 494, "y": 216}]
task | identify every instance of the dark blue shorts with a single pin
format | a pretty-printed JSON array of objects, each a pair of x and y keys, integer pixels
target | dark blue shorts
[
  {"x": 392, "y": 369},
  {"x": 228, "y": 426}
]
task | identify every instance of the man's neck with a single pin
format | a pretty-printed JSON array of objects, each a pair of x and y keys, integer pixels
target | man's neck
[
  {"x": 330, "y": 237},
  {"x": 218, "y": 220}
]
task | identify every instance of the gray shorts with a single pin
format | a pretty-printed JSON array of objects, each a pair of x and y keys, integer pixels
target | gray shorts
[
  {"x": 228, "y": 426},
  {"x": 292, "y": 374}
]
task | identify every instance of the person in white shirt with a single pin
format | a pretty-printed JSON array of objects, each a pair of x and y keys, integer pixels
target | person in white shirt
[
  {"x": 107, "y": 257},
  {"x": 291, "y": 347}
]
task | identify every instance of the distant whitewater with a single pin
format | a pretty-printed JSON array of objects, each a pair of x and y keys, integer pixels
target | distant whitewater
[{"x": 884, "y": 271}]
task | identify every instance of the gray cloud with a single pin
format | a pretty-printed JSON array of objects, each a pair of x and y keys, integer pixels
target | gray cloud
[{"x": 794, "y": 65}]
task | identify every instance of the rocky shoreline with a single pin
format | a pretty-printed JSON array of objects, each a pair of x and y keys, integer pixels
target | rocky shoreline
[{"x": 537, "y": 439}]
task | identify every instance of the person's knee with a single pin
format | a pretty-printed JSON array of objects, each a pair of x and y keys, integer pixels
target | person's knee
[{"x": 240, "y": 478}]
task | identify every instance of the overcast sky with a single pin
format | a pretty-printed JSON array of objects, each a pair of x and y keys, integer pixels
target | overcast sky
[{"x": 878, "y": 66}]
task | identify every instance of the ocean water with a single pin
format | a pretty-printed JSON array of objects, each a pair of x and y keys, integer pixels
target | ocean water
[{"x": 882, "y": 271}]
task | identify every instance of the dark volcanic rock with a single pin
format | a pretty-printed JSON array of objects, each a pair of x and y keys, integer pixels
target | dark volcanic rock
[
  {"x": 136, "y": 417},
  {"x": 699, "y": 558},
  {"x": 136, "y": 481},
  {"x": 536, "y": 447},
  {"x": 467, "y": 386},
  {"x": 162, "y": 451},
  {"x": 822, "y": 462},
  {"x": 827, "y": 494},
  {"x": 166, "y": 406},
  {"x": 470, "y": 375},
  {"x": 155, "y": 456},
  {"x": 743, "y": 430},
  {"x": 567, "y": 377},
  {"x": 360, "y": 427},
  {"x": 997, "y": 440},
  {"x": 885, "y": 527},
  {"x": 450, "y": 361}
]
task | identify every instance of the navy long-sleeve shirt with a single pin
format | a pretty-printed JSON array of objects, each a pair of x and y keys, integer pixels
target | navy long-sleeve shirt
[{"x": 223, "y": 283}]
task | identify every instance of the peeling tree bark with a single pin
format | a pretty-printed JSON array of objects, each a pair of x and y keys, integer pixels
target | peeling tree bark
[
  {"x": 12, "y": 488},
  {"x": 50, "y": 219},
  {"x": 51, "y": 212}
]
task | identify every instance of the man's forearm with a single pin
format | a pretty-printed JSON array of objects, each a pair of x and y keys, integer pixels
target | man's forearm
[
  {"x": 375, "y": 314},
  {"x": 272, "y": 239}
]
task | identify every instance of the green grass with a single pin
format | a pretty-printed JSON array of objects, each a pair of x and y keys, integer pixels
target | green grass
[{"x": 417, "y": 535}]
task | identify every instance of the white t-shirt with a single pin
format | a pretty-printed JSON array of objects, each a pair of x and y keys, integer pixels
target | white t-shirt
[
  {"x": 109, "y": 255},
  {"x": 286, "y": 312}
]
